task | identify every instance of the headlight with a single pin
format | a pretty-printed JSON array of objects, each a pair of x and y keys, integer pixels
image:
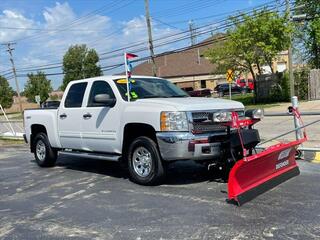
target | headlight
[
  {"x": 174, "y": 121},
  {"x": 255, "y": 113},
  {"x": 222, "y": 117}
]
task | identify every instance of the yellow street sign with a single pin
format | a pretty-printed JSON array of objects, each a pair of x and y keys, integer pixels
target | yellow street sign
[{"x": 229, "y": 76}]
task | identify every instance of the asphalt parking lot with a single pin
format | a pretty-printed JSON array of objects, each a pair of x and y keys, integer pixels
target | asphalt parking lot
[{"x": 90, "y": 199}]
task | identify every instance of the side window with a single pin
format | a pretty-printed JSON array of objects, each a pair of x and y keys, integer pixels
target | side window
[
  {"x": 75, "y": 95},
  {"x": 99, "y": 87}
]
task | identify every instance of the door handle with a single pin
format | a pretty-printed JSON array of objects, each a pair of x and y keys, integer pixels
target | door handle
[
  {"x": 87, "y": 116},
  {"x": 63, "y": 115}
]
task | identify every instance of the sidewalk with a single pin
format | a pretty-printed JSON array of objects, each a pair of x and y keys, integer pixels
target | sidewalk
[
  {"x": 270, "y": 127},
  {"x": 304, "y": 106}
]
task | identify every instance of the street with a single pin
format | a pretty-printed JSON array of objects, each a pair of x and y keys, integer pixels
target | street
[{"x": 90, "y": 199}]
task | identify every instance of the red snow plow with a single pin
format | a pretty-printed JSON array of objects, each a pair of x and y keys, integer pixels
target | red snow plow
[{"x": 254, "y": 174}]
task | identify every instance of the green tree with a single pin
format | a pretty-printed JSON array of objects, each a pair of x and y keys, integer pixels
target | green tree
[
  {"x": 308, "y": 32},
  {"x": 37, "y": 84},
  {"x": 80, "y": 62},
  {"x": 252, "y": 41},
  {"x": 6, "y": 93}
]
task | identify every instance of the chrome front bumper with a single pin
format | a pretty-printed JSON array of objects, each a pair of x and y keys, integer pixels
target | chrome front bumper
[{"x": 185, "y": 145}]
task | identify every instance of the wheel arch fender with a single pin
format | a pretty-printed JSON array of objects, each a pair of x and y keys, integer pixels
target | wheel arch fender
[
  {"x": 133, "y": 130},
  {"x": 40, "y": 128}
]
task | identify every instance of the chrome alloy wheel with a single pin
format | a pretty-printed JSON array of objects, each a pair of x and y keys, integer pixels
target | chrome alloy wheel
[
  {"x": 41, "y": 150},
  {"x": 142, "y": 161}
]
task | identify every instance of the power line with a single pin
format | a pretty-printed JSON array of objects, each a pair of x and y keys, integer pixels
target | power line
[
  {"x": 143, "y": 49},
  {"x": 173, "y": 41},
  {"x": 225, "y": 13},
  {"x": 48, "y": 29},
  {"x": 142, "y": 42},
  {"x": 110, "y": 67},
  {"x": 205, "y": 43},
  {"x": 81, "y": 20},
  {"x": 194, "y": 6}
]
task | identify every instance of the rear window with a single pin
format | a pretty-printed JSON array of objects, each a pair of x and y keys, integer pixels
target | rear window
[{"x": 75, "y": 95}]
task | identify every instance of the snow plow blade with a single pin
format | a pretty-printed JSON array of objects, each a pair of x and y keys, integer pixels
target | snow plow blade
[{"x": 256, "y": 174}]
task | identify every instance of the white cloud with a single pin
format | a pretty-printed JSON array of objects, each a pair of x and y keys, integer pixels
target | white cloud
[
  {"x": 13, "y": 19},
  {"x": 58, "y": 15},
  {"x": 67, "y": 29}
]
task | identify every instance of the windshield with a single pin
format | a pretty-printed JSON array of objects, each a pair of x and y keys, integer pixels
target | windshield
[{"x": 149, "y": 88}]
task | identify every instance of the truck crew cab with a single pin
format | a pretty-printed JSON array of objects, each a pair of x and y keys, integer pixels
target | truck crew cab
[{"x": 159, "y": 125}]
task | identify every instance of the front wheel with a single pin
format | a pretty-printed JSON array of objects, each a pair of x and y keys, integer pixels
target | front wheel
[
  {"x": 44, "y": 154},
  {"x": 144, "y": 162}
]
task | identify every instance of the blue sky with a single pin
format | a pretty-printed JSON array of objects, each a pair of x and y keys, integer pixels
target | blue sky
[{"x": 44, "y": 29}]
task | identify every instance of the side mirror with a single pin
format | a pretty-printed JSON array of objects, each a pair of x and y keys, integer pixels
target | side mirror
[{"x": 104, "y": 100}]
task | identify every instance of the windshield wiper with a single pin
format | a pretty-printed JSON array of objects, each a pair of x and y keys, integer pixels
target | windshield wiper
[
  {"x": 150, "y": 96},
  {"x": 171, "y": 96},
  {"x": 178, "y": 96}
]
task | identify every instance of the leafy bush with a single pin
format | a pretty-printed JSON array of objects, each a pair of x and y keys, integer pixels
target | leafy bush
[
  {"x": 277, "y": 87},
  {"x": 281, "y": 91}
]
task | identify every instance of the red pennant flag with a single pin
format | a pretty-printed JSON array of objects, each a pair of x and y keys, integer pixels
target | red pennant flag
[{"x": 130, "y": 55}]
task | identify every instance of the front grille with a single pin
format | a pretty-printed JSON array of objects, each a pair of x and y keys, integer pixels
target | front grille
[
  {"x": 200, "y": 116},
  {"x": 208, "y": 127},
  {"x": 202, "y": 122}
]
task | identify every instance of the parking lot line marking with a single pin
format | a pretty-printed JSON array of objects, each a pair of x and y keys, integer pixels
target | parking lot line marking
[{"x": 316, "y": 158}]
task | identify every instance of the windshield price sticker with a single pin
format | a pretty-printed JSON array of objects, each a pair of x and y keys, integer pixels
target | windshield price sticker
[{"x": 124, "y": 81}]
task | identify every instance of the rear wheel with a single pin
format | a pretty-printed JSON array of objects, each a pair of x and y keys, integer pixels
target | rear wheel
[
  {"x": 44, "y": 154},
  {"x": 144, "y": 162}
]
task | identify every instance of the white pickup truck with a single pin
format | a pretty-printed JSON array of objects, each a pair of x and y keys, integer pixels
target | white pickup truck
[{"x": 160, "y": 124}]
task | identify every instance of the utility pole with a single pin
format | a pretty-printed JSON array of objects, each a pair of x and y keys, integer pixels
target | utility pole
[
  {"x": 290, "y": 53},
  {"x": 154, "y": 66},
  {"x": 192, "y": 33},
  {"x": 9, "y": 50}
]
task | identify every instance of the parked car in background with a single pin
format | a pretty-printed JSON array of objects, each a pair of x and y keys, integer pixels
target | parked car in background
[
  {"x": 241, "y": 82},
  {"x": 223, "y": 89},
  {"x": 203, "y": 92},
  {"x": 245, "y": 84},
  {"x": 50, "y": 104},
  {"x": 251, "y": 84}
]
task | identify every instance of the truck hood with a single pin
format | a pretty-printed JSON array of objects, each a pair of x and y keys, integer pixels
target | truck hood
[{"x": 194, "y": 103}]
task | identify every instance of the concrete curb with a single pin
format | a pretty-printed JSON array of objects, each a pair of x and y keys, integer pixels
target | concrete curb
[
  {"x": 316, "y": 158},
  {"x": 312, "y": 156}
]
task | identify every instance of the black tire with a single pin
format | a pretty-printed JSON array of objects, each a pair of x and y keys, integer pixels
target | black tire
[
  {"x": 156, "y": 172},
  {"x": 221, "y": 94},
  {"x": 48, "y": 157}
]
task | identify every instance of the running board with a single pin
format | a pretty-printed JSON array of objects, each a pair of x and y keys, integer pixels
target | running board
[{"x": 92, "y": 155}]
